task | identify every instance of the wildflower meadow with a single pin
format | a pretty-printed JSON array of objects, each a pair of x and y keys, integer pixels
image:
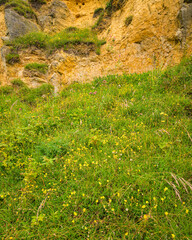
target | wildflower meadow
[{"x": 110, "y": 159}]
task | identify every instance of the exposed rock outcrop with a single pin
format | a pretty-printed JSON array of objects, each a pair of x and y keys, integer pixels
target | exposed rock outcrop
[
  {"x": 159, "y": 34},
  {"x": 54, "y": 16},
  {"x": 18, "y": 25}
]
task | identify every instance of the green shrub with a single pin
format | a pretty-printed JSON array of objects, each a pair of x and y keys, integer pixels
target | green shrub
[
  {"x": 21, "y": 7},
  {"x": 128, "y": 20},
  {"x": 12, "y": 58},
  {"x": 39, "y": 67}
]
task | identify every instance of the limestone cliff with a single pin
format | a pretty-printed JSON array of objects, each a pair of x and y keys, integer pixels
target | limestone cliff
[{"x": 140, "y": 35}]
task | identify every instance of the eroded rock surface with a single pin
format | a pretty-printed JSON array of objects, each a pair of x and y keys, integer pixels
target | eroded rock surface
[
  {"x": 18, "y": 25},
  {"x": 158, "y": 35}
]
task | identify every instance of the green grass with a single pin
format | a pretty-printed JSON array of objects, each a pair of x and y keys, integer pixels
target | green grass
[
  {"x": 105, "y": 160},
  {"x": 21, "y": 7},
  {"x": 65, "y": 39},
  {"x": 18, "y": 83},
  {"x": 12, "y": 58},
  {"x": 39, "y": 67}
]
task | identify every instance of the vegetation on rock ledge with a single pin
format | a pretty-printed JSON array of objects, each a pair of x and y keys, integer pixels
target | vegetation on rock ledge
[
  {"x": 70, "y": 36},
  {"x": 12, "y": 58},
  {"x": 39, "y": 67}
]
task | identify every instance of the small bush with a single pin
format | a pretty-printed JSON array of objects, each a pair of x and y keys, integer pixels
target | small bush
[
  {"x": 12, "y": 58},
  {"x": 128, "y": 20},
  {"x": 39, "y": 67}
]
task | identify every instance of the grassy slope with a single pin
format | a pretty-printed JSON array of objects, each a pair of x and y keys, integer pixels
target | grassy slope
[{"x": 96, "y": 161}]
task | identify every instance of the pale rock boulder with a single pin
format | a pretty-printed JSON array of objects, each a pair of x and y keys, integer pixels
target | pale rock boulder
[{"x": 18, "y": 25}]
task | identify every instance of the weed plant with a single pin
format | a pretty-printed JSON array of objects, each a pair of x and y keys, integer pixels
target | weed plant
[{"x": 105, "y": 160}]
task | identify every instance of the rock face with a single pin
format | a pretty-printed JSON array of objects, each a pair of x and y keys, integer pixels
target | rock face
[
  {"x": 18, "y": 25},
  {"x": 54, "y": 16},
  {"x": 159, "y": 34}
]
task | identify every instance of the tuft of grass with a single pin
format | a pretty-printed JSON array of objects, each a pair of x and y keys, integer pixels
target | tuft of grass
[
  {"x": 12, "y": 58},
  {"x": 39, "y": 67},
  {"x": 18, "y": 83},
  {"x": 110, "y": 159},
  {"x": 36, "y": 39},
  {"x": 128, "y": 20},
  {"x": 21, "y": 7}
]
